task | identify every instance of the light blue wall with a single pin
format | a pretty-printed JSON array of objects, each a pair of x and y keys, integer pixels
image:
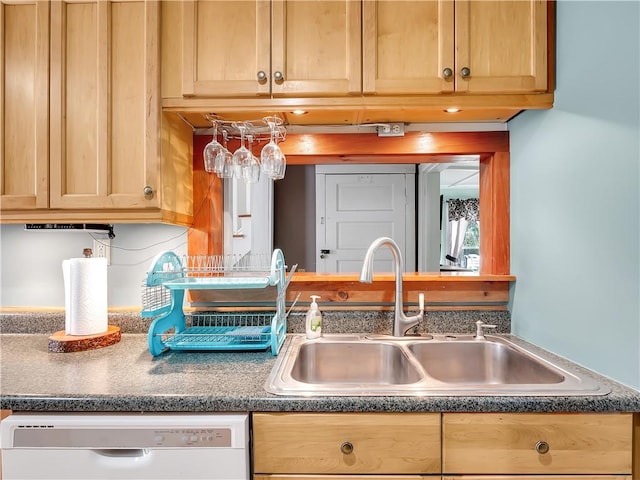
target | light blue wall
[
  {"x": 31, "y": 262},
  {"x": 575, "y": 201}
]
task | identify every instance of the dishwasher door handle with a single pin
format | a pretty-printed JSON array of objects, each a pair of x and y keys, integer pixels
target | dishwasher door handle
[{"x": 122, "y": 452}]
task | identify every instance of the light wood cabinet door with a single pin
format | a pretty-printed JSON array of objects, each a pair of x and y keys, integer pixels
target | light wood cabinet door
[
  {"x": 105, "y": 115},
  {"x": 359, "y": 443},
  {"x": 24, "y": 96},
  {"x": 407, "y": 46},
  {"x": 462, "y": 46},
  {"x": 279, "y": 48},
  {"x": 551, "y": 444},
  {"x": 226, "y": 48},
  {"x": 503, "y": 44},
  {"x": 316, "y": 48}
]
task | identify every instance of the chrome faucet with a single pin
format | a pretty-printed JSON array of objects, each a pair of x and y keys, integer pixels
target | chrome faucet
[{"x": 401, "y": 322}]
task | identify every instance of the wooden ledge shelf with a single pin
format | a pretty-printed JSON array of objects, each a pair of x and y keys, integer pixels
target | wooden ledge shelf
[{"x": 445, "y": 291}]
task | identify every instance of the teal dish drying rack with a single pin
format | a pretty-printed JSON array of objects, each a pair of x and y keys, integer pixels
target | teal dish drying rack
[{"x": 170, "y": 276}]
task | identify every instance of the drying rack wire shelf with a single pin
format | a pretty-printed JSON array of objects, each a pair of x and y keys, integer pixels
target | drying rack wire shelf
[{"x": 163, "y": 295}]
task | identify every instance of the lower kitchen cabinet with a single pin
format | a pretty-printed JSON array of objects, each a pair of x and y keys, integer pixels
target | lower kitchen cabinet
[
  {"x": 344, "y": 477},
  {"x": 448, "y": 446},
  {"x": 537, "y": 443},
  {"x": 340, "y": 444},
  {"x": 538, "y": 477}
]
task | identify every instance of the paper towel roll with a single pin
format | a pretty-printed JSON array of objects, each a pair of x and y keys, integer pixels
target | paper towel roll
[{"x": 85, "y": 296}]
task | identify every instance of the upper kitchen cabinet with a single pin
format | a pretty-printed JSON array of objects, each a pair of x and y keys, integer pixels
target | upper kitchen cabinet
[
  {"x": 444, "y": 46},
  {"x": 83, "y": 135},
  {"x": 24, "y": 95},
  {"x": 271, "y": 48},
  {"x": 104, "y": 114},
  {"x": 106, "y": 128},
  {"x": 357, "y": 61}
]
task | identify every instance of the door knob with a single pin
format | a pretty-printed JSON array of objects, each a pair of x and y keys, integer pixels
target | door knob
[
  {"x": 447, "y": 73},
  {"x": 324, "y": 253},
  {"x": 278, "y": 77},
  {"x": 465, "y": 72}
]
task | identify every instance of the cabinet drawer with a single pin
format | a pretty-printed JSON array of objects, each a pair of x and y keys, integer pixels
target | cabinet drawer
[
  {"x": 281, "y": 476},
  {"x": 320, "y": 443},
  {"x": 538, "y": 477},
  {"x": 537, "y": 443}
]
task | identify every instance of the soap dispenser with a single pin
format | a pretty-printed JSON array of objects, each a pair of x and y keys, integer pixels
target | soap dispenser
[{"x": 314, "y": 319}]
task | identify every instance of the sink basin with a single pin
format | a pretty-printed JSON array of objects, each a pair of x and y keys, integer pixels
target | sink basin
[
  {"x": 482, "y": 363},
  {"x": 359, "y": 365},
  {"x": 353, "y": 363}
]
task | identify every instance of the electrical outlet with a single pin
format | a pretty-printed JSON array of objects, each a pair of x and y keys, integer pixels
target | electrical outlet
[
  {"x": 102, "y": 248},
  {"x": 391, "y": 130}
]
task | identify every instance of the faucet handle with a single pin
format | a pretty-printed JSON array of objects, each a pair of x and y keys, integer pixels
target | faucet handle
[
  {"x": 480, "y": 326},
  {"x": 421, "y": 301}
]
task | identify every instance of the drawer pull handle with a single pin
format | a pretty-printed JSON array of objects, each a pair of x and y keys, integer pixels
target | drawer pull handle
[
  {"x": 346, "y": 448},
  {"x": 542, "y": 447}
]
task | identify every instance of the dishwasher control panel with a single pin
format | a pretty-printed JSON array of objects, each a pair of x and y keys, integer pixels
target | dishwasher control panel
[
  {"x": 125, "y": 431},
  {"x": 56, "y": 437}
]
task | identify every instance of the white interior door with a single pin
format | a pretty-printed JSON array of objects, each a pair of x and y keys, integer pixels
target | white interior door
[{"x": 357, "y": 204}]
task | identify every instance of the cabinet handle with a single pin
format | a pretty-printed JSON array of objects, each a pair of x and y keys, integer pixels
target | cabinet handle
[
  {"x": 262, "y": 76},
  {"x": 465, "y": 72},
  {"x": 148, "y": 191},
  {"x": 447, "y": 73},
  {"x": 278, "y": 76},
  {"x": 542, "y": 447},
  {"x": 346, "y": 448}
]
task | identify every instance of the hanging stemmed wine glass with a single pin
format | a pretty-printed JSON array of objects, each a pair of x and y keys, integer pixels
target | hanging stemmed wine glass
[
  {"x": 251, "y": 169},
  {"x": 280, "y": 161},
  {"x": 211, "y": 150},
  {"x": 224, "y": 159},
  {"x": 269, "y": 150},
  {"x": 272, "y": 159},
  {"x": 242, "y": 155}
]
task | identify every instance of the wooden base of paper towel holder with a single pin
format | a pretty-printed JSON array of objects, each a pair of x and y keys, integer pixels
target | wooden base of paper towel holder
[{"x": 60, "y": 342}]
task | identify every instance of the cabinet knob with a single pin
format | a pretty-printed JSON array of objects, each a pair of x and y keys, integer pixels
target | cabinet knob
[
  {"x": 465, "y": 72},
  {"x": 542, "y": 447},
  {"x": 447, "y": 73},
  {"x": 262, "y": 76},
  {"x": 278, "y": 76},
  {"x": 148, "y": 191},
  {"x": 346, "y": 448}
]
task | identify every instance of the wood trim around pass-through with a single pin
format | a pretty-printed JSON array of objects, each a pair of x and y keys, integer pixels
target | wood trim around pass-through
[{"x": 492, "y": 149}]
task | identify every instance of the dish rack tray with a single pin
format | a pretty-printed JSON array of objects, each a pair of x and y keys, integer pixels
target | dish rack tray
[{"x": 172, "y": 329}]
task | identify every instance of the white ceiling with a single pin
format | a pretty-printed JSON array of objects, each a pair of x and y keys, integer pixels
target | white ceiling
[{"x": 459, "y": 176}]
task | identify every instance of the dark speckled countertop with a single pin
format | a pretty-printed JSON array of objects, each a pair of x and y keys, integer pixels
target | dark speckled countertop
[{"x": 125, "y": 377}]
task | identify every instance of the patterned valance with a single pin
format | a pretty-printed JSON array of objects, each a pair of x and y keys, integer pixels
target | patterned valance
[{"x": 468, "y": 208}]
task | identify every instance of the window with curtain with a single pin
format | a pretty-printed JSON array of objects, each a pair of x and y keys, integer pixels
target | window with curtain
[{"x": 462, "y": 233}]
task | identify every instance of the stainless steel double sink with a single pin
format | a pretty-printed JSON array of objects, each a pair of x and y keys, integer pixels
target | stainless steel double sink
[{"x": 366, "y": 365}]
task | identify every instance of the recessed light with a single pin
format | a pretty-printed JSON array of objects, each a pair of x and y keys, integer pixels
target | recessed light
[
  {"x": 299, "y": 112},
  {"x": 452, "y": 110}
]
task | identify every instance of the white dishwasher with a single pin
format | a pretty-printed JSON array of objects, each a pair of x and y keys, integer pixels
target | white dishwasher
[{"x": 125, "y": 446}]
